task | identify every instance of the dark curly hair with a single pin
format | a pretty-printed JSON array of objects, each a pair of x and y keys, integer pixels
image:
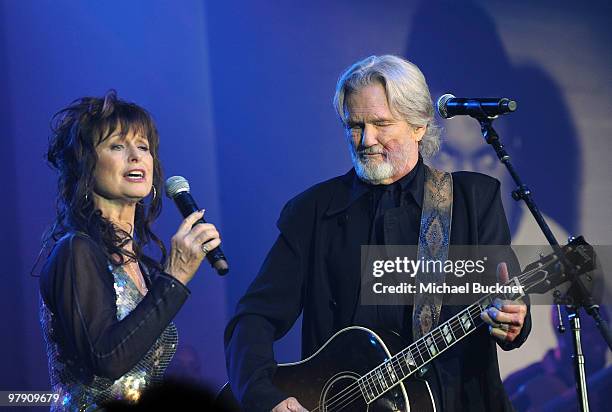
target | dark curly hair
[{"x": 76, "y": 132}]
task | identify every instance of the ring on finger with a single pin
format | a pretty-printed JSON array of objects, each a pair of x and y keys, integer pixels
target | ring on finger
[
  {"x": 204, "y": 249},
  {"x": 504, "y": 326}
]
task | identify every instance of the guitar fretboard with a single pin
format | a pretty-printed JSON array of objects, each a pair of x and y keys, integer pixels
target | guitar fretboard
[{"x": 382, "y": 378}]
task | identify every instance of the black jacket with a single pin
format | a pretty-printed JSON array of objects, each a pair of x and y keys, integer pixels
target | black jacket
[
  {"x": 314, "y": 267},
  {"x": 78, "y": 287}
]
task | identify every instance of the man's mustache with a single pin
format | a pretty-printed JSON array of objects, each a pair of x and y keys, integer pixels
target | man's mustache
[{"x": 361, "y": 151}]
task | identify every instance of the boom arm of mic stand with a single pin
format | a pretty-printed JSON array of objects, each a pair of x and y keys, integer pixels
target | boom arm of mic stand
[{"x": 522, "y": 192}]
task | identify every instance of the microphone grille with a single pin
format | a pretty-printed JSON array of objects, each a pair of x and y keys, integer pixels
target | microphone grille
[
  {"x": 441, "y": 104},
  {"x": 176, "y": 185}
]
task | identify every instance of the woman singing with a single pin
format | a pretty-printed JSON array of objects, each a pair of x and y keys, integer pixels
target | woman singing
[{"x": 106, "y": 309}]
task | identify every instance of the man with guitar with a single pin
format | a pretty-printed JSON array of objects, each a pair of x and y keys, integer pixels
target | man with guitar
[{"x": 313, "y": 268}]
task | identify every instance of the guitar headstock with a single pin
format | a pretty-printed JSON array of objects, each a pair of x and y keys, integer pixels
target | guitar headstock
[{"x": 577, "y": 258}]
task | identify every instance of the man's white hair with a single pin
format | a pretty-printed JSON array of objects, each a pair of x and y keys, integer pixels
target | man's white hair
[{"x": 406, "y": 89}]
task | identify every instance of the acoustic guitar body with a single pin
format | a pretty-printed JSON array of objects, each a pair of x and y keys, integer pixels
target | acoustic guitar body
[{"x": 327, "y": 380}]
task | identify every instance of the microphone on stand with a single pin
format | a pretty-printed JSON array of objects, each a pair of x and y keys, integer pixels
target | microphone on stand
[
  {"x": 478, "y": 107},
  {"x": 177, "y": 188}
]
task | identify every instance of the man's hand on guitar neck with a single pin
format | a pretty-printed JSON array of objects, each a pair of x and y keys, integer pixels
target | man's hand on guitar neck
[
  {"x": 289, "y": 405},
  {"x": 505, "y": 318}
]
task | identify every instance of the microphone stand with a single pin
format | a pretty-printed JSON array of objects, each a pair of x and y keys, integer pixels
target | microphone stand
[{"x": 578, "y": 293}]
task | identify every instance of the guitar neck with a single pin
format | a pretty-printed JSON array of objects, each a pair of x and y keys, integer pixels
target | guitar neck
[{"x": 424, "y": 350}]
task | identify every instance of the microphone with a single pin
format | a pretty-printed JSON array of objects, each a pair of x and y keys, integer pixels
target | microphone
[
  {"x": 177, "y": 188},
  {"x": 478, "y": 107}
]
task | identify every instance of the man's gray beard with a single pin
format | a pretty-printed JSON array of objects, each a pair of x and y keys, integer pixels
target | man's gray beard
[{"x": 371, "y": 173}]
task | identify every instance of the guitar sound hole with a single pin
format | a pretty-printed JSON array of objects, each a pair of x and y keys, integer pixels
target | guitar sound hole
[{"x": 342, "y": 393}]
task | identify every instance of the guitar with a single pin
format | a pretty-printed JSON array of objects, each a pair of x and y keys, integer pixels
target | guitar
[{"x": 358, "y": 369}]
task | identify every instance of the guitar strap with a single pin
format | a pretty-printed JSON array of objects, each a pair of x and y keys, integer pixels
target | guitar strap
[{"x": 434, "y": 239}]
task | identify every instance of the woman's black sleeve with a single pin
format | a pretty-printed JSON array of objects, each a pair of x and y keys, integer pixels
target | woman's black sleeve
[{"x": 78, "y": 287}]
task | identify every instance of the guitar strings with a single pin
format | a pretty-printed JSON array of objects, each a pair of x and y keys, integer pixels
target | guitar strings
[
  {"x": 395, "y": 359},
  {"x": 370, "y": 377},
  {"x": 332, "y": 403},
  {"x": 420, "y": 344},
  {"x": 353, "y": 391}
]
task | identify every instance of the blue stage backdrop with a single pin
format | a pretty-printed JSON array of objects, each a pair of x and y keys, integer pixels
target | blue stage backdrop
[{"x": 241, "y": 92}]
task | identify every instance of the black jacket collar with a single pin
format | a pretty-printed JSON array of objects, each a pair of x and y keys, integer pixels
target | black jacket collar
[{"x": 352, "y": 188}]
